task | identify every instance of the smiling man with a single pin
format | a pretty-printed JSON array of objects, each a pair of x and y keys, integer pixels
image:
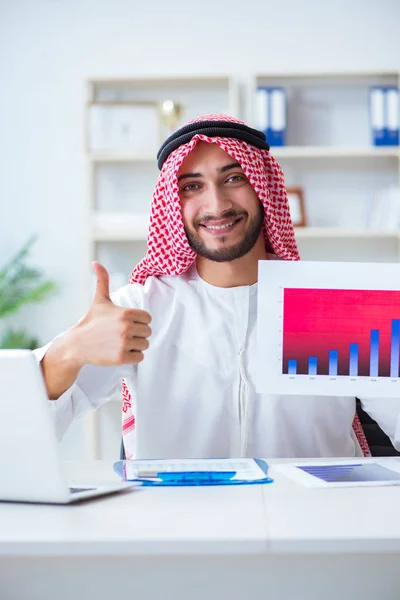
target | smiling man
[{"x": 219, "y": 207}]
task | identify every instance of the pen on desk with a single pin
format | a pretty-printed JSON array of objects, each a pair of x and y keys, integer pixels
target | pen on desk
[{"x": 146, "y": 473}]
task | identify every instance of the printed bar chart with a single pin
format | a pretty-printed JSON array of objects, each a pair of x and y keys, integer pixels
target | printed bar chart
[{"x": 341, "y": 332}]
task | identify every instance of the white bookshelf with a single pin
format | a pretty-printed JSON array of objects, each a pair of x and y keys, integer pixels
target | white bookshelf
[
  {"x": 120, "y": 186},
  {"x": 329, "y": 154}
]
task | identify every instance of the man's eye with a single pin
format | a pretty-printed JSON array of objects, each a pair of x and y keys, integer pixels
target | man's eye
[
  {"x": 236, "y": 178},
  {"x": 190, "y": 187}
]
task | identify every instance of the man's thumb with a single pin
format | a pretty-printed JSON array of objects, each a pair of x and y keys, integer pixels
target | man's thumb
[{"x": 103, "y": 282}]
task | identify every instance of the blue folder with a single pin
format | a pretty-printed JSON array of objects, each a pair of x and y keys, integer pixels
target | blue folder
[
  {"x": 271, "y": 114},
  {"x": 384, "y": 115},
  {"x": 191, "y": 478}
]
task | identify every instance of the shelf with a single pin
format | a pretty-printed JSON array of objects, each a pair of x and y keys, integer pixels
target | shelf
[
  {"x": 276, "y": 151},
  {"x": 115, "y": 157},
  {"x": 334, "y": 152},
  {"x": 329, "y": 75},
  {"x": 129, "y": 82},
  {"x": 341, "y": 232},
  {"x": 120, "y": 228}
]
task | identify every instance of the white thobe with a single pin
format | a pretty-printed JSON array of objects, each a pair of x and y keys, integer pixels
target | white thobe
[{"x": 194, "y": 393}]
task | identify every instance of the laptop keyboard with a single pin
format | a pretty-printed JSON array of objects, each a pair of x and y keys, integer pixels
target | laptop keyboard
[{"x": 74, "y": 490}]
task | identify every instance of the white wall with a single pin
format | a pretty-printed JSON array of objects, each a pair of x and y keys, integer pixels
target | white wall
[{"x": 48, "y": 48}]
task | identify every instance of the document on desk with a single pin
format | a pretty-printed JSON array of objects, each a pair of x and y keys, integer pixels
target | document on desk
[
  {"x": 225, "y": 471},
  {"x": 328, "y": 329},
  {"x": 347, "y": 473},
  {"x": 245, "y": 468}
]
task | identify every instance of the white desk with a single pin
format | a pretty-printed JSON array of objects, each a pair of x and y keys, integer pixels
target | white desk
[{"x": 279, "y": 541}]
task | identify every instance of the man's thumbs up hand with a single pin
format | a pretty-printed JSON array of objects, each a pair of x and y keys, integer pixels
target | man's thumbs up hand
[{"x": 110, "y": 335}]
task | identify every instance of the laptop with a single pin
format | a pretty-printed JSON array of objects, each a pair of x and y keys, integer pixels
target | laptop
[{"x": 31, "y": 469}]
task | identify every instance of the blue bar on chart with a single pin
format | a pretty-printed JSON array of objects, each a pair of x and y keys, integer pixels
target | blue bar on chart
[
  {"x": 374, "y": 354},
  {"x": 333, "y": 362},
  {"x": 312, "y": 365},
  {"x": 395, "y": 348},
  {"x": 292, "y": 367},
  {"x": 353, "y": 367}
]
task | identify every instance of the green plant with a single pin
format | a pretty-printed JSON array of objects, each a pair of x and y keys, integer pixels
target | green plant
[{"x": 21, "y": 284}]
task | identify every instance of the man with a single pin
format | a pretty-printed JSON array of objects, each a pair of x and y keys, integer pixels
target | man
[{"x": 219, "y": 207}]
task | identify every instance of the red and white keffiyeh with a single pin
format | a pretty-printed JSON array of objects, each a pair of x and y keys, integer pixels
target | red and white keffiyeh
[{"x": 168, "y": 250}]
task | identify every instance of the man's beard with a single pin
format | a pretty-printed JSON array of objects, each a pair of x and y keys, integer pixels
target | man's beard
[{"x": 254, "y": 228}]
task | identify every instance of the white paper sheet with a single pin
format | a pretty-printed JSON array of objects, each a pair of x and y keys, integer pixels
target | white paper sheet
[
  {"x": 349, "y": 473},
  {"x": 337, "y": 323},
  {"x": 246, "y": 469}
]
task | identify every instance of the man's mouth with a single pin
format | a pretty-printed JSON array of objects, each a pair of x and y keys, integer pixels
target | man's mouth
[{"x": 221, "y": 226}]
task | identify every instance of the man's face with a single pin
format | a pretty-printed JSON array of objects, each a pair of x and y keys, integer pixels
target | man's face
[{"x": 222, "y": 214}]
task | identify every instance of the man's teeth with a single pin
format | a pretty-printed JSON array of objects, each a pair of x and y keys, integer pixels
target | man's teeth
[{"x": 221, "y": 226}]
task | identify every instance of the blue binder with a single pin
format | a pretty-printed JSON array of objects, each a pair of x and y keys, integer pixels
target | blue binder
[
  {"x": 392, "y": 124},
  {"x": 271, "y": 114},
  {"x": 191, "y": 478},
  {"x": 384, "y": 115}
]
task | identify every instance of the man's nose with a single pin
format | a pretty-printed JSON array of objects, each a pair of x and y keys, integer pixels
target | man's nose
[{"x": 217, "y": 201}]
